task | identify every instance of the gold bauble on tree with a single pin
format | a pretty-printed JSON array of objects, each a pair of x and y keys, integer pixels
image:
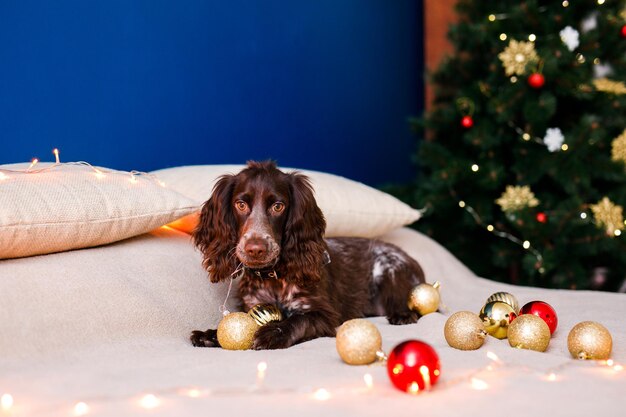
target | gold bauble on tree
[
  {"x": 424, "y": 298},
  {"x": 496, "y": 317},
  {"x": 359, "y": 342},
  {"x": 618, "y": 148},
  {"x": 236, "y": 331},
  {"x": 529, "y": 332},
  {"x": 505, "y": 297},
  {"x": 265, "y": 313},
  {"x": 516, "y": 56},
  {"x": 608, "y": 215},
  {"x": 516, "y": 197},
  {"x": 590, "y": 340},
  {"x": 464, "y": 330}
]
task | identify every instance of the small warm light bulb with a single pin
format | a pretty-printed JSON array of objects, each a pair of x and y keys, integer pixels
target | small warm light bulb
[
  {"x": 565, "y": 3},
  {"x": 583, "y": 215},
  {"x": 369, "y": 381},
  {"x": 513, "y": 79},
  {"x": 532, "y": 37},
  {"x": 475, "y": 168},
  {"x": 526, "y": 136},
  {"x": 149, "y": 401},
  {"x": 193, "y": 393},
  {"x": 461, "y": 203},
  {"x": 600, "y": 2},
  {"x": 618, "y": 368},
  {"x": 617, "y": 232},
  {"x": 609, "y": 362},
  {"x": 81, "y": 409},
  {"x": 6, "y": 402},
  {"x": 493, "y": 356},
  {"x": 564, "y": 147},
  {"x": 55, "y": 151},
  {"x": 260, "y": 374},
  {"x": 492, "y": 18},
  {"x": 99, "y": 174},
  {"x": 479, "y": 384},
  {"x": 33, "y": 162},
  {"x": 490, "y": 227},
  {"x": 526, "y": 244},
  {"x": 503, "y": 36},
  {"x": 551, "y": 377},
  {"x": 596, "y": 61},
  {"x": 321, "y": 395},
  {"x": 580, "y": 58}
]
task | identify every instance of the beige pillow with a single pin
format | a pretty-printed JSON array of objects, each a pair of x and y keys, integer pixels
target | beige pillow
[
  {"x": 68, "y": 206},
  {"x": 351, "y": 208}
]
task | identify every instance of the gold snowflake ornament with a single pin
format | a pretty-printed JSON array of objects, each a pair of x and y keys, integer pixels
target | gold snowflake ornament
[
  {"x": 516, "y": 198},
  {"x": 609, "y": 86},
  {"x": 618, "y": 148},
  {"x": 609, "y": 215},
  {"x": 516, "y": 56}
]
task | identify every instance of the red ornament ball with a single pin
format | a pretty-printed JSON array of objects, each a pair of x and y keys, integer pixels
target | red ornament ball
[
  {"x": 467, "y": 122},
  {"x": 542, "y": 217},
  {"x": 622, "y": 32},
  {"x": 413, "y": 366},
  {"x": 542, "y": 310},
  {"x": 536, "y": 80}
]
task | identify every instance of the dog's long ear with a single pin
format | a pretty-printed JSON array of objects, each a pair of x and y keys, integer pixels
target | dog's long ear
[
  {"x": 216, "y": 233},
  {"x": 303, "y": 239}
]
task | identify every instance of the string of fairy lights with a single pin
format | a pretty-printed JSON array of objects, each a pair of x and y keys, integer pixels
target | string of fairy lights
[
  {"x": 479, "y": 379},
  {"x": 100, "y": 173}
]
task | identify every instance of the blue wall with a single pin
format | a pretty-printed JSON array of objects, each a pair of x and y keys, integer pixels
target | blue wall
[{"x": 318, "y": 84}]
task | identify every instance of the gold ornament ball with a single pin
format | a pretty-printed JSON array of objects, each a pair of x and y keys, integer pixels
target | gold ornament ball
[
  {"x": 464, "y": 330},
  {"x": 590, "y": 340},
  {"x": 358, "y": 342},
  {"x": 265, "y": 313},
  {"x": 505, "y": 297},
  {"x": 236, "y": 331},
  {"x": 529, "y": 332},
  {"x": 496, "y": 317},
  {"x": 424, "y": 298}
]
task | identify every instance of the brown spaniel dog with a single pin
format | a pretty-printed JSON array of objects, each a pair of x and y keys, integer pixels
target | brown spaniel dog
[{"x": 264, "y": 227}]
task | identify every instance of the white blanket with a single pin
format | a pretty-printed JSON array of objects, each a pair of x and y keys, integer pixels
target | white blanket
[{"x": 108, "y": 325}]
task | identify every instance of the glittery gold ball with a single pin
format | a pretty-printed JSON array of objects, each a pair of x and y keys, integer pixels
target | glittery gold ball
[
  {"x": 464, "y": 330},
  {"x": 424, "y": 298},
  {"x": 496, "y": 317},
  {"x": 590, "y": 340},
  {"x": 529, "y": 332},
  {"x": 265, "y": 313},
  {"x": 505, "y": 297},
  {"x": 358, "y": 342},
  {"x": 236, "y": 331}
]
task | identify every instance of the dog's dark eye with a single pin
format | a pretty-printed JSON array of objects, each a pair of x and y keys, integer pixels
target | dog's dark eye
[
  {"x": 278, "y": 207},
  {"x": 241, "y": 205}
]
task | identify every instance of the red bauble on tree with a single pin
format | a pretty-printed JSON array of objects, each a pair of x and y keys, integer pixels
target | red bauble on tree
[
  {"x": 467, "y": 122},
  {"x": 413, "y": 366},
  {"x": 544, "y": 311},
  {"x": 536, "y": 80},
  {"x": 622, "y": 32},
  {"x": 541, "y": 217}
]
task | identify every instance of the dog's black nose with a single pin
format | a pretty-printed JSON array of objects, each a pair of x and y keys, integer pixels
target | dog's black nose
[{"x": 256, "y": 248}]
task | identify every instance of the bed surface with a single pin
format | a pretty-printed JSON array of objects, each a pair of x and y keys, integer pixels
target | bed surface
[{"x": 109, "y": 325}]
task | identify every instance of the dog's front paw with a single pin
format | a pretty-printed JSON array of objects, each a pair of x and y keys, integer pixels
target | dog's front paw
[
  {"x": 403, "y": 318},
  {"x": 272, "y": 336},
  {"x": 204, "y": 339}
]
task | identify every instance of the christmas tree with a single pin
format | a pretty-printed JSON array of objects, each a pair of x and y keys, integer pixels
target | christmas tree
[{"x": 523, "y": 160}]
